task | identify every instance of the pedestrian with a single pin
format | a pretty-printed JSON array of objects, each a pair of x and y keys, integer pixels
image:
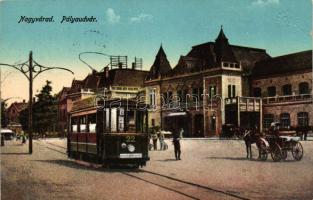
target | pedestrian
[
  {"x": 177, "y": 136},
  {"x": 23, "y": 138},
  {"x": 154, "y": 139},
  {"x": 161, "y": 139},
  {"x": 305, "y": 132}
]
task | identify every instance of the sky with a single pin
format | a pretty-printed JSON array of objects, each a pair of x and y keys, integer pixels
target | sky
[{"x": 137, "y": 28}]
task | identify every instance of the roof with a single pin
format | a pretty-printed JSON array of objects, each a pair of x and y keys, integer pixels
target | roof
[
  {"x": 123, "y": 77},
  {"x": 92, "y": 80},
  {"x": 76, "y": 86},
  {"x": 223, "y": 50},
  {"x": 203, "y": 56},
  {"x": 284, "y": 64},
  {"x": 19, "y": 106},
  {"x": 161, "y": 65}
]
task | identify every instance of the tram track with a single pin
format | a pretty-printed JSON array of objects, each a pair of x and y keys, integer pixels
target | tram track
[
  {"x": 191, "y": 190},
  {"x": 185, "y": 188}
]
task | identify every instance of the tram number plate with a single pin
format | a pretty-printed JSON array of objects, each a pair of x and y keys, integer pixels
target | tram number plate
[{"x": 131, "y": 155}]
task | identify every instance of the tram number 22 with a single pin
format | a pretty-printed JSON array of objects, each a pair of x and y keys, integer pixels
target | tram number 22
[{"x": 130, "y": 138}]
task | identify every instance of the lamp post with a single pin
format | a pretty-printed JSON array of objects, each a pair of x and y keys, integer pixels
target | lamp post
[{"x": 31, "y": 69}]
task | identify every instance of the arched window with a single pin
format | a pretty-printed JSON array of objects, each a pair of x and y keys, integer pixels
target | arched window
[
  {"x": 285, "y": 120},
  {"x": 287, "y": 89},
  {"x": 271, "y": 91},
  {"x": 257, "y": 92},
  {"x": 267, "y": 120},
  {"x": 303, "y": 119},
  {"x": 304, "y": 88}
]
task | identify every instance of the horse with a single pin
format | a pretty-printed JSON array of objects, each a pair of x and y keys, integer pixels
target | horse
[{"x": 250, "y": 137}]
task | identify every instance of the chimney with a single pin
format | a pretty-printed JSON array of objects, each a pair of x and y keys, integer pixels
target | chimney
[
  {"x": 24, "y": 101},
  {"x": 106, "y": 72},
  {"x": 120, "y": 65},
  {"x": 133, "y": 65}
]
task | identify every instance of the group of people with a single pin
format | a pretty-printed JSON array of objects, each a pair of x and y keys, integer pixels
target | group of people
[{"x": 158, "y": 134}]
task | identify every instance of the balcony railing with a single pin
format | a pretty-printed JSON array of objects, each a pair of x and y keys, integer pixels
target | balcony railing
[
  {"x": 287, "y": 98},
  {"x": 248, "y": 104}
]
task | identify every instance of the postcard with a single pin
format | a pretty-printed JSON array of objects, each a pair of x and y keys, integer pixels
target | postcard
[{"x": 176, "y": 99}]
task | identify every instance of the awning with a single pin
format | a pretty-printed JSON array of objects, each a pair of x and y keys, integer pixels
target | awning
[{"x": 176, "y": 114}]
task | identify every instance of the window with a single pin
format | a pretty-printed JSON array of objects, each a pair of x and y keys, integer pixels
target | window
[
  {"x": 287, "y": 89},
  {"x": 231, "y": 91},
  {"x": 195, "y": 95},
  {"x": 304, "y": 88},
  {"x": 212, "y": 91},
  {"x": 92, "y": 123},
  {"x": 180, "y": 95},
  {"x": 257, "y": 92},
  {"x": 303, "y": 119},
  {"x": 82, "y": 124},
  {"x": 74, "y": 122},
  {"x": 169, "y": 97},
  {"x": 152, "y": 97},
  {"x": 213, "y": 123},
  {"x": 164, "y": 98},
  {"x": 267, "y": 120},
  {"x": 184, "y": 96},
  {"x": 285, "y": 120},
  {"x": 271, "y": 91},
  {"x": 201, "y": 93}
]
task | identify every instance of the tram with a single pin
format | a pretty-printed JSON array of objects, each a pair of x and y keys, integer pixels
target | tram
[{"x": 115, "y": 134}]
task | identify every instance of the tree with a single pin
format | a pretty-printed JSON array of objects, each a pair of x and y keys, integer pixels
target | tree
[{"x": 44, "y": 111}]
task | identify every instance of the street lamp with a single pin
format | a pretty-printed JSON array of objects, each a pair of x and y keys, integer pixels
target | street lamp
[{"x": 31, "y": 69}]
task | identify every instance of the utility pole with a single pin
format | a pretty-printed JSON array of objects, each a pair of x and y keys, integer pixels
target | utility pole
[
  {"x": 30, "y": 104},
  {"x": 28, "y": 69}
]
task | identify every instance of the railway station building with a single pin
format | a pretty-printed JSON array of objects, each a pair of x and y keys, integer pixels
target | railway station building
[{"x": 219, "y": 83}]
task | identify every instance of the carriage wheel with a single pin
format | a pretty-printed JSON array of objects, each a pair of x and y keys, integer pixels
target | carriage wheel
[
  {"x": 276, "y": 152},
  {"x": 284, "y": 154},
  {"x": 297, "y": 151},
  {"x": 263, "y": 152}
]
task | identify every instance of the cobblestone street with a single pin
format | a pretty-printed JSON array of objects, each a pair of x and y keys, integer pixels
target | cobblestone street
[{"x": 209, "y": 169}]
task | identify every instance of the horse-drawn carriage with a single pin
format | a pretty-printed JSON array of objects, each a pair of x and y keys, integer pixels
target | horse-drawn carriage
[
  {"x": 279, "y": 146},
  {"x": 273, "y": 142}
]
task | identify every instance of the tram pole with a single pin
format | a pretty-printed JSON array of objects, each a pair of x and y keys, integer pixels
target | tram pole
[
  {"x": 28, "y": 69},
  {"x": 30, "y": 104}
]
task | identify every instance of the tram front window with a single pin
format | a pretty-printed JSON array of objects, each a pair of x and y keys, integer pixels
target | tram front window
[
  {"x": 92, "y": 123},
  {"x": 74, "y": 125},
  {"x": 82, "y": 122},
  {"x": 131, "y": 121}
]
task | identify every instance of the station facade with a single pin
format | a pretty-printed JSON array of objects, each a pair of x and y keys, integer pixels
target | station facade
[{"x": 218, "y": 83}]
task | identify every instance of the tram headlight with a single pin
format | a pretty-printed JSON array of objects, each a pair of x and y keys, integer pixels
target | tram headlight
[
  {"x": 123, "y": 145},
  {"x": 131, "y": 148}
]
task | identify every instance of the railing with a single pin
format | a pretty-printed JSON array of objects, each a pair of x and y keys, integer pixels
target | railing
[
  {"x": 287, "y": 98},
  {"x": 248, "y": 104}
]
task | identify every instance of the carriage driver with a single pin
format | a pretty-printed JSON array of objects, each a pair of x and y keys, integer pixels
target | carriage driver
[{"x": 274, "y": 129}]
